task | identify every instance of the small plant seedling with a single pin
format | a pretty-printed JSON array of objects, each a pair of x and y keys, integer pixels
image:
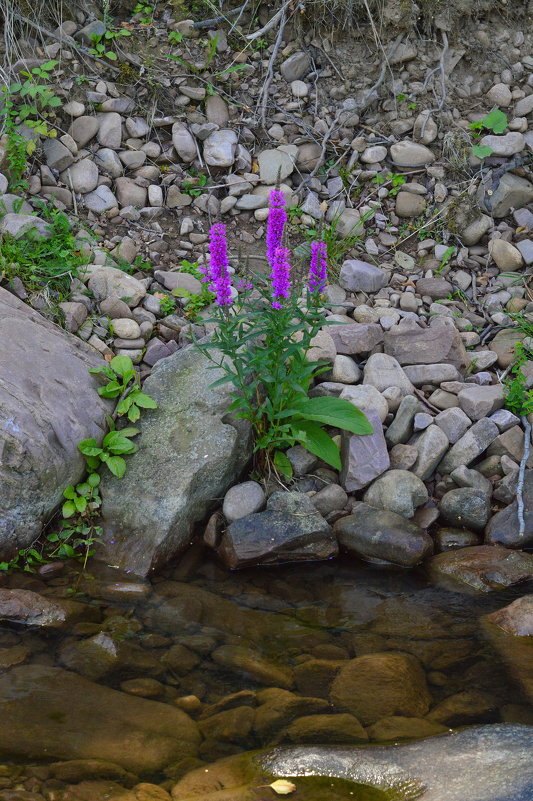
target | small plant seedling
[
  {"x": 123, "y": 384},
  {"x": 175, "y": 37},
  {"x": 395, "y": 179},
  {"x": 446, "y": 256},
  {"x": 146, "y": 12},
  {"x": 167, "y": 305},
  {"x": 495, "y": 121},
  {"x": 519, "y": 399}
]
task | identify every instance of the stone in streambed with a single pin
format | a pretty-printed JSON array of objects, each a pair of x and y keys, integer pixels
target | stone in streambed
[
  {"x": 187, "y": 457},
  {"x": 376, "y": 685},
  {"x": 72, "y": 718},
  {"x": 467, "y": 507},
  {"x": 291, "y": 529},
  {"x": 399, "y": 491},
  {"x": 28, "y": 608},
  {"x": 341, "y": 728},
  {"x": 511, "y": 631},
  {"x": 482, "y": 763},
  {"x": 378, "y": 535},
  {"x": 364, "y": 456},
  {"x": 481, "y": 568},
  {"x": 247, "y": 662},
  {"x": 242, "y": 500}
]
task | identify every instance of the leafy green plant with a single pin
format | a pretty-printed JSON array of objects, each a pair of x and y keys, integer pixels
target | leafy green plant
[
  {"x": 114, "y": 445},
  {"x": 519, "y": 399},
  {"x": 394, "y": 179},
  {"x": 124, "y": 384},
  {"x": 146, "y": 12},
  {"x": 338, "y": 246},
  {"x": 495, "y": 121},
  {"x": 167, "y": 305},
  {"x": 42, "y": 263},
  {"x": 175, "y": 37},
  {"x": 195, "y": 303},
  {"x": 262, "y": 346},
  {"x": 195, "y": 185},
  {"x": 445, "y": 259},
  {"x": 100, "y": 43},
  {"x": 411, "y": 105},
  {"x": 32, "y": 102}
]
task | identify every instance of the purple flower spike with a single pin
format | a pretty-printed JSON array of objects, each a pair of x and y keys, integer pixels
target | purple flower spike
[
  {"x": 281, "y": 283},
  {"x": 277, "y": 217},
  {"x": 218, "y": 272},
  {"x": 317, "y": 268}
]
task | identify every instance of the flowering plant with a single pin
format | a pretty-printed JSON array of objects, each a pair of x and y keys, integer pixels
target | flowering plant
[{"x": 261, "y": 341}]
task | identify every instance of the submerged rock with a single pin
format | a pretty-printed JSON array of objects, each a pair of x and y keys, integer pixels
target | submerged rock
[
  {"x": 31, "y": 609},
  {"x": 291, "y": 529},
  {"x": 480, "y": 568},
  {"x": 483, "y": 763},
  {"x": 188, "y": 456},
  {"x": 511, "y": 632},
  {"x": 52, "y": 713}
]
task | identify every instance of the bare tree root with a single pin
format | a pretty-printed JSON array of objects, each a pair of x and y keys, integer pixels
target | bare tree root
[{"x": 263, "y": 97}]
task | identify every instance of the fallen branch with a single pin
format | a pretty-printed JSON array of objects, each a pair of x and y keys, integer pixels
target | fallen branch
[
  {"x": 207, "y": 23},
  {"x": 521, "y": 476},
  {"x": 270, "y": 24},
  {"x": 66, "y": 40},
  {"x": 270, "y": 71}
]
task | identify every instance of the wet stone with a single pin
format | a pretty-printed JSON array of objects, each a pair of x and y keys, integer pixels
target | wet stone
[
  {"x": 452, "y": 539},
  {"x": 290, "y": 529},
  {"x": 467, "y": 507},
  {"x": 378, "y": 535},
  {"x": 480, "y": 568}
]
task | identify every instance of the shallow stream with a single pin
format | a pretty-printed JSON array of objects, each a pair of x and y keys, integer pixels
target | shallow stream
[{"x": 198, "y": 635}]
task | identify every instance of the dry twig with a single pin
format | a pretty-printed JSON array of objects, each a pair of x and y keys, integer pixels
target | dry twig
[
  {"x": 521, "y": 475},
  {"x": 270, "y": 71}
]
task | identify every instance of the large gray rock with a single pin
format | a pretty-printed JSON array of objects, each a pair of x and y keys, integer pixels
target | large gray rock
[
  {"x": 502, "y": 529},
  {"x": 480, "y": 568},
  {"x": 382, "y": 372},
  {"x": 48, "y": 403},
  {"x": 360, "y": 276},
  {"x": 356, "y": 338},
  {"x": 482, "y": 763},
  {"x": 48, "y": 713},
  {"x": 471, "y": 445},
  {"x": 438, "y": 343},
  {"x": 364, "y": 456},
  {"x": 398, "y": 491},
  {"x": 378, "y": 535},
  {"x": 290, "y": 529},
  {"x": 187, "y": 458},
  {"x": 511, "y": 191}
]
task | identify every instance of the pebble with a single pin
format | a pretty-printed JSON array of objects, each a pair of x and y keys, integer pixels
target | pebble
[{"x": 243, "y": 499}]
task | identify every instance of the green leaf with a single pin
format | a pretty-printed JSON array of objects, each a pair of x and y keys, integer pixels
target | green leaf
[
  {"x": 83, "y": 489},
  {"x": 482, "y": 151},
  {"x": 315, "y": 440},
  {"x": 124, "y": 404},
  {"x": 134, "y": 413},
  {"x": 111, "y": 390},
  {"x": 144, "y": 401},
  {"x": 122, "y": 365},
  {"x": 180, "y": 292},
  {"x": 111, "y": 56},
  {"x": 80, "y": 504},
  {"x": 282, "y": 464},
  {"x": 117, "y": 465},
  {"x": 69, "y": 492},
  {"x": 68, "y": 509},
  {"x": 92, "y": 462},
  {"x": 129, "y": 431},
  {"x": 89, "y": 447},
  {"x": 335, "y": 412},
  {"x": 115, "y": 443},
  {"x": 495, "y": 121},
  {"x": 93, "y": 479}
]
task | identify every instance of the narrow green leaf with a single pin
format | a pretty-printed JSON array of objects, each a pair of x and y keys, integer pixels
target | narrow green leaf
[
  {"x": 315, "y": 440},
  {"x": 282, "y": 463},
  {"x": 335, "y": 412}
]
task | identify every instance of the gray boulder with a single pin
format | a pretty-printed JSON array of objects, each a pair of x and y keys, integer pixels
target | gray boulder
[
  {"x": 291, "y": 529},
  {"x": 364, "y": 456},
  {"x": 502, "y": 529},
  {"x": 360, "y": 276},
  {"x": 188, "y": 456},
  {"x": 438, "y": 343},
  {"x": 378, "y": 535},
  {"x": 398, "y": 491},
  {"x": 481, "y": 763},
  {"x": 48, "y": 403}
]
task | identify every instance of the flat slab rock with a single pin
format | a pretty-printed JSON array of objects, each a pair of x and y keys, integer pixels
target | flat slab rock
[
  {"x": 290, "y": 530},
  {"x": 481, "y": 763},
  {"x": 48, "y": 403},
  {"x": 49, "y": 713}
]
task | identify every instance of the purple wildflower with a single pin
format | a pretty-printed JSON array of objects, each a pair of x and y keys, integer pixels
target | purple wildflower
[
  {"x": 218, "y": 265},
  {"x": 281, "y": 284},
  {"x": 277, "y": 217},
  {"x": 317, "y": 268}
]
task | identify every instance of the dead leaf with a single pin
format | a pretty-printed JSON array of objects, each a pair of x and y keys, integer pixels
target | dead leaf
[{"x": 283, "y": 787}]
